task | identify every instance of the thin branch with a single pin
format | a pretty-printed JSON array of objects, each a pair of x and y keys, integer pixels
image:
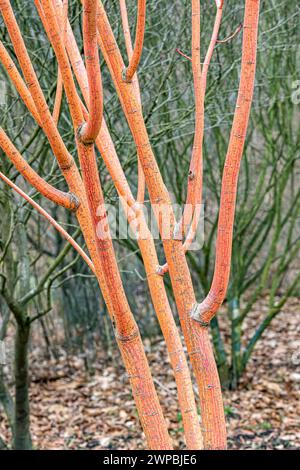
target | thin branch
[
  {"x": 59, "y": 149},
  {"x": 126, "y": 30},
  {"x": 139, "y": 41},
  {"x": 183, "y": 55},
  {"x": 194, "y": 192},
  {"x": 59, "y": 86},
  {"x": 50, "y": 219},
  {"x": 206, "y": 310},
  {"x": 229, "y": 38},
  {"x": 90, "y": 129},
  {"x": 18, "y": 82},
  {"x": 67, "y": 200}
]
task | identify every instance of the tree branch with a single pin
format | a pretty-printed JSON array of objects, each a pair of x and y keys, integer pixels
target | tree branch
[
  {"x": 53, "y": 222},
  {"x": 129, "y": 72},
  {"x": 67, "y": 200}
]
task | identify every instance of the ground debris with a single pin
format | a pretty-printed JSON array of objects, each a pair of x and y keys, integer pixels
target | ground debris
[{"x": 74, "y": 410}]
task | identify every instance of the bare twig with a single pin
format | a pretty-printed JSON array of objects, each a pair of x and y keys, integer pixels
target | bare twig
[
  {"x": 183, "y": 55},
  {"x": 232, "y": 35}
]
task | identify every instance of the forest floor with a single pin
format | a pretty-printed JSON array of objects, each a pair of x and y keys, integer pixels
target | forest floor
[{"x": 72, "y": 409}]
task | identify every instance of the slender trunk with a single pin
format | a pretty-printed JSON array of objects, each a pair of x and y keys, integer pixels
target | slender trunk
[
  {"x": 22, "y": 437},
  {"x": 126, "y": 330},
  {"x": 139, "y": 40},
  {"x": 206, "y": 310},
  {"x": 9, "y": 269}
]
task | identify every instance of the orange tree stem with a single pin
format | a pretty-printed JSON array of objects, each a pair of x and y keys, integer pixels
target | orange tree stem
[
  {"x": 128, "y": 44},
  {"x": 194, "y": 187},
  {"x": 210, "y": 305},
  {"x": 212, "y": 44},
  {"x": 59, "y": 86},
  {"x": 196, "y": 335},
  {"x": 126, "y": 30},
  {"x": 134, "y": 60},
  {"x": 65, "y": 160},
  {"x": 90, "y": 129},
  {"x": 195, "y": 178},
  {"x": 67, "y": 200},
  {"x": 141, "y": 176},
  {"x": 127, "y": 333},
  {"x": 148, "y": 251},
  {"x": 50, "y": 219},
  {"x": 18, "y": 82},
  {"x": 199, "y": 128},
  {"x": 126, "y": 330},
  {"x": 58, "y": 98}
]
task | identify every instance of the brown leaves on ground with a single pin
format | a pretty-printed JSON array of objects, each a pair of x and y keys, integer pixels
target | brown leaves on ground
[
  {"x": 265, "y": 412},
  {"x": 71, "y": 409}
]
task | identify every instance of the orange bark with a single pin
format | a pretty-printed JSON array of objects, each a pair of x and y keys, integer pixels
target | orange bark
[
  {"x": 89, "y": 130},
  {"x": 127, "y": 333},
  {"x": 194, "y": 191},
  {"x": 67, "y": 200},
  {"x": 192, "y": 209},
  {"x": 59, "y": 149},
  {"x": 59, "y": 85},
  {"x": 200, "y": 78},
  {"x": 50, "y": 219},
  {"x": 147, "y": 247},
  {"x": 18, "y": 82},
  {"x": 126, "y": 30},
  {"x": 196, "y": 335},
  {"x": 210, "y": 305},
  {"x": 134, "y": 60},
  {"x": 58, "y": 98}
]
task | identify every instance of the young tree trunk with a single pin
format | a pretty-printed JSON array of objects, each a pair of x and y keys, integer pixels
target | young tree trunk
[{"x": 22, "y": 437}]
